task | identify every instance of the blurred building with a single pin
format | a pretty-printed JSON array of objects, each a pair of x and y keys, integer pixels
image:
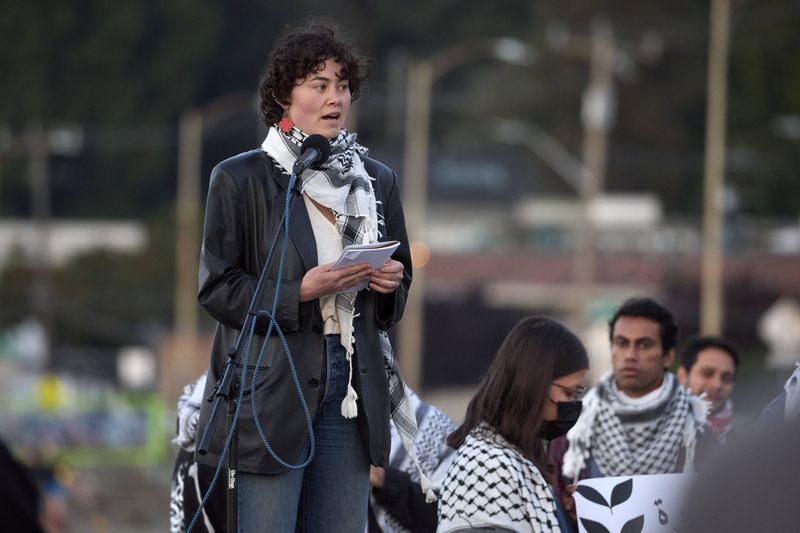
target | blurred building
[
  {"x": 503, "y": 237},
  {"x": 68, "y": 239}
]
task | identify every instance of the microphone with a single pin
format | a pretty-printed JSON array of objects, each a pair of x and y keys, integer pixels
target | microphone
[{"x": 314, "y": 150}]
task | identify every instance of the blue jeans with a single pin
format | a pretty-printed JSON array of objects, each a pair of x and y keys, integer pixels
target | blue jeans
[{"x": 331, "y": 494}]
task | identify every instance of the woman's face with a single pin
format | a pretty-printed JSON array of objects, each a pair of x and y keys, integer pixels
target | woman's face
[
  {"x": 563, "y": 389},
  {"x": 319, "y": 103}
]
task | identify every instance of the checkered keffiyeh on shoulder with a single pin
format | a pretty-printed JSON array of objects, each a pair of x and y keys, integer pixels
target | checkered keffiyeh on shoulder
[
  {"x": 403, "y": 413},
  {"x": 433, "y": 453},
  {"x": 343, "y": 186},
  {"x": 490, "y": 484},
  {"x": 626, "y": 438},
  {"x": 189, "y": 413}
]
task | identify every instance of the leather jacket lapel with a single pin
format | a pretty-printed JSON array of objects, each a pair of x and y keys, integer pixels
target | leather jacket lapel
[
  {"x": 300, "y": 230},
  {"x": 302, "y": 234}
]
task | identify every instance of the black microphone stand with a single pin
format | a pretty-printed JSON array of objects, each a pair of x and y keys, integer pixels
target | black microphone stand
[{"x": 224, "y": 390}]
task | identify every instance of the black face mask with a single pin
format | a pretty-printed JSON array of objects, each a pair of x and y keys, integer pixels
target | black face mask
[{"x": 568, "y": 413}]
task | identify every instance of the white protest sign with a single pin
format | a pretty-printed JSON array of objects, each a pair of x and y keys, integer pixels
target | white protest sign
[{"x": 632, "y": 504}]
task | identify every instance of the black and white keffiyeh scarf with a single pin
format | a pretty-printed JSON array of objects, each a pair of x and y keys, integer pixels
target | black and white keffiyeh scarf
[
  {"x": 343, "y": 186},
  {"x": 403, "y": 413},
  {"x": 630, "y": 438},
  {"x": 187, "y": 489},
  {"x": 430, "y": 443},
  {"x": 189, "y": 413},
  {"x": 491, "y": 484}
]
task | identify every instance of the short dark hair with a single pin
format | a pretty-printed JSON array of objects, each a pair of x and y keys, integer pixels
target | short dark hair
[
  {"x": 515, "y": 390},
  {"x": 697, "y": 344},
  {"x": 299, "y": 51},
  {"x": 651, "y": 309}
]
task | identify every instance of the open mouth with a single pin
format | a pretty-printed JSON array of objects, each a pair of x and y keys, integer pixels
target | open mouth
[{"x": 331, "y": 116}]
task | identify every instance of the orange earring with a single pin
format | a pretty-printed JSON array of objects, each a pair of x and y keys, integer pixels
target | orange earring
[{"x": 285, "y": 124}]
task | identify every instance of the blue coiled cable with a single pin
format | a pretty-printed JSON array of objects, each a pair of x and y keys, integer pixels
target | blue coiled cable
[{"x": 273, "y": 324}]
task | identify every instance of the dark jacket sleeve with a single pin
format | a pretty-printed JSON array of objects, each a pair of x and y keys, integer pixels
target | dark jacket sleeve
[
  {"x": 389, "y": 307},
  {"x": 19, "y": 510},
  {"x": 226, "y": 288},
  {"x": 404, "y": 500},
  {"x": 706, "y": 448},
  {"x": 774, "y": 413}
]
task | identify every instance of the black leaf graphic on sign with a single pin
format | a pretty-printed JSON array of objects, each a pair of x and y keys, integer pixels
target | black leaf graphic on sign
[
  {"x": 621, "y": 492},
  {"x": 593, "y": 527},
  {"x": 592, "y": 495},
  {"x": 634, "y": 525}
]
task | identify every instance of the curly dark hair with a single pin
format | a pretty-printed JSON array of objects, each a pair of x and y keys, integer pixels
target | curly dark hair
[
  {"x": 697, "y": 344},
  {"x": 300, "y": 51},
  {"x": 652, "y": 310}
]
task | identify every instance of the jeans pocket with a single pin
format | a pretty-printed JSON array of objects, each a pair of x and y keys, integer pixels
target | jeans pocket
[{"x": 337, "y": 371}]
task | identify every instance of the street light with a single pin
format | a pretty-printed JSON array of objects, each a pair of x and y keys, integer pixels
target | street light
[
  {"x": 181, "y": 364},
  {"x": 568, "y": 167},
  {"x": 421, "y": 76},
  {"x": 606, "y": 57},
  {"x": 576, "y": 174},
  {"x": 711, "y": 302}
]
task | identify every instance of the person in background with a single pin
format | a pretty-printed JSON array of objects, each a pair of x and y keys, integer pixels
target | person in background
[
  {"x": 398, "y": 503},
  {"x": 637, "y": 419},
  {"x": 708, "y": 369},
  {"x": 191, "y": 480},
  {"x": 750, "y": 486},
  {"x": 531, "y": 394},
  {"x": 785, "y": 408}
]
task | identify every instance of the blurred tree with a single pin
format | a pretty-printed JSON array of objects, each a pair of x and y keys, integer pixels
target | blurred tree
[
  {"x": 121, "y": 63},
  {"x": 657, "y": 141},
  {"x": 125, "y": 71},
  {"x": 122, "y": 71},
  {"x": 765, "y": 88},
  {"x": 101, "y": 299}
]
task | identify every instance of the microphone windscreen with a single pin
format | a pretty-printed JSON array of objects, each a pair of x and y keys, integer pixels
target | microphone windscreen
[{"x": 319, "y": 143}]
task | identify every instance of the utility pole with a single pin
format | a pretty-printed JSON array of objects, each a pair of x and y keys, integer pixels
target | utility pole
[
  {"x": 181, "y": 366},
  {"x": 597, "y": 116},
  {"x": 598, "y": 112},
  {"x": 41, "y": 292},
  {"x": 419, "y": 87},
  {"x": 711, "y": 313},
  {"x": 183, "y": 363},
  {"x": 421, "y": 77}
]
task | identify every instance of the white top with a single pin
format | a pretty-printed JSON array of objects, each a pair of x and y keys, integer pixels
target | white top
[
  {"x": 640, "y": 401},
  {"x": 329, "y": 248}
]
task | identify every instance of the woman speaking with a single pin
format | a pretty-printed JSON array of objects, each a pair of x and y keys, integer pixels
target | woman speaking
[{"x": 332, "y": 331}]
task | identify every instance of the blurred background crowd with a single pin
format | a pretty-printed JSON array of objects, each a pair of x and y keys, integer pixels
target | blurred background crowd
[{"x": 555, "y": 157}]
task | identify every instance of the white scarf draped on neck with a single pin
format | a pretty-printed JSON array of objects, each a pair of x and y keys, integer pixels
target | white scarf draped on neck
[{"x": 342, "y": 185}]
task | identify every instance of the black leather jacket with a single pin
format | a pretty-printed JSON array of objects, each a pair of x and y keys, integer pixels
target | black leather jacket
[{"x": 243, "y": 211}]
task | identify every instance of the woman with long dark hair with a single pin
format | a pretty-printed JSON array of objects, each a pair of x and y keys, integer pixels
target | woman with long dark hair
[{"x": 530, "y": 394}]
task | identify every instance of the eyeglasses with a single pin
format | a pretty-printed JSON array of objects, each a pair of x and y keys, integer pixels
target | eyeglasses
[{"x": 576, "y": 393}]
